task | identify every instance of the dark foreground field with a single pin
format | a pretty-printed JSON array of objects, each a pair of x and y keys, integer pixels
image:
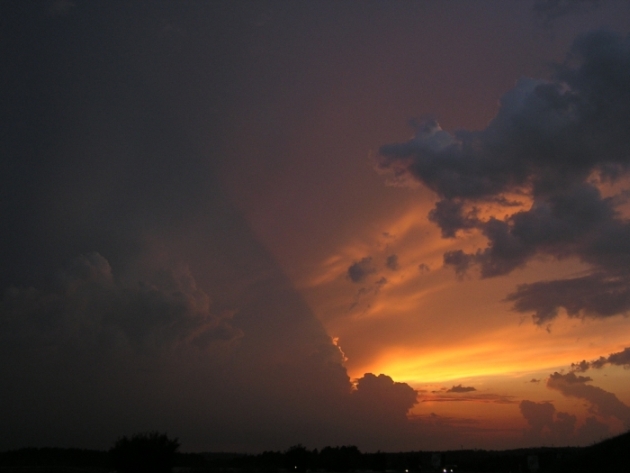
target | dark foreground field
[{"x": 612, "y": 455}]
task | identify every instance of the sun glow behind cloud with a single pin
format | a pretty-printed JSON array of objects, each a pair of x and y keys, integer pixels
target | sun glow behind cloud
[
  {"x": 511, "y": 350},
  {"x": 235, "y": 150},
  {"x": 488, "y": 340}
]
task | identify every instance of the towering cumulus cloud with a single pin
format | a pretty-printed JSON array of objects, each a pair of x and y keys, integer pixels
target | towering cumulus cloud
[{"x": 555, "y": 145}]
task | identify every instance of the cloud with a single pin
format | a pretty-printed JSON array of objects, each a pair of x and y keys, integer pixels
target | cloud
[
  {"x": 602, "y": 403},
  {"x": 549, "y": 10},
  {"x": 450, "y": 217},
  {"x": 463, "y": 396},
  {"x": 61, "y": 7},
  {"x": 596, "y": 295},
  {"x": 459, "y": 260},
  {"x": 557, "y": 143},
  {"x": 362, "y": 299},
  {"x": 383, "y": 398},
  {"x": 91, "y": 306},
  {"x": 380, "y": 283},
  {"x": 360, "y": 270},
  {"x": 143, "y": 343},
  {"x": 392, "y": 262},
  {"x": 592, "y": 431},
  {"x": 580, "y": 367},
  {"x": 537, "y": 415},
  {"x": 621, "y": 358},
  {"x": 175, "y": 317},
  {"x": 461, "y": 389},
  {"x": 545, "y": 423}
]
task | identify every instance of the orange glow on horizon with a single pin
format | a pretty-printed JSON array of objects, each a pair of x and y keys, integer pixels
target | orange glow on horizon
[{"x": 508, "y": 352}]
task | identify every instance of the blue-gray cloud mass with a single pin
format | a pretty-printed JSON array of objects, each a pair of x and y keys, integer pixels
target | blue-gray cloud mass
[{"x": 554, "y": 141}]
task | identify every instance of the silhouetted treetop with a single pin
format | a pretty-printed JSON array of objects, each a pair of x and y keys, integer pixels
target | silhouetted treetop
[{"x": 146, "y": 452}]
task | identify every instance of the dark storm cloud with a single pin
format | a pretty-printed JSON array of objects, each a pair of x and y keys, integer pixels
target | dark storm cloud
[
  {"x": 360, "y": 270},
  {"x": 621, "y": 358},
  {"x": 382, "y": 397},
  {"x": 461, "y": 389},
  {"x": 555, "y": 141},
  {"x": 592, "y": 431},
  {"x": 602, "y": 403},
  {"x": 120, "y": 350},
  {"x": 108, "y": 345},
  {"x": 546, "y": 424},
  {"x": 538, "y": 415},
  {"x": 550, "y": 10},
  {"x": 597, "y": 295},
  {"x": 61, "y": 7},
  {"x": 459, "y": 260},
  {"x": 92, "y": 307},
  {"x": 449, "y": 216},
  {"x": 176, "y": 317}
]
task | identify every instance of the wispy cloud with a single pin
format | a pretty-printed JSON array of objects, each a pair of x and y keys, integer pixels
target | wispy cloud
[
  {"x": 461, "y": 389},
  {"x": 621, "y": 358},
  {"x": 464, "y": 396}
]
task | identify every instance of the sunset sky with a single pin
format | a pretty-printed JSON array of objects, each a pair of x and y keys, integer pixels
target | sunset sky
[{"x": 401, "y": 225}]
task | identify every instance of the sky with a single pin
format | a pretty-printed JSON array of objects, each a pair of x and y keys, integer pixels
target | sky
[{"x": 251, "y": 224}]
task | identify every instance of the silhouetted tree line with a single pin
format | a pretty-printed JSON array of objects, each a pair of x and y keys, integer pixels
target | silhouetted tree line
[
  {"x": 144, "y": 453},
  {"x": 157, "y": 453},
  {"x": 610, "y": 456},
  {"x": 149, "y": 452},
  {"x": 349, "y": 458}
]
